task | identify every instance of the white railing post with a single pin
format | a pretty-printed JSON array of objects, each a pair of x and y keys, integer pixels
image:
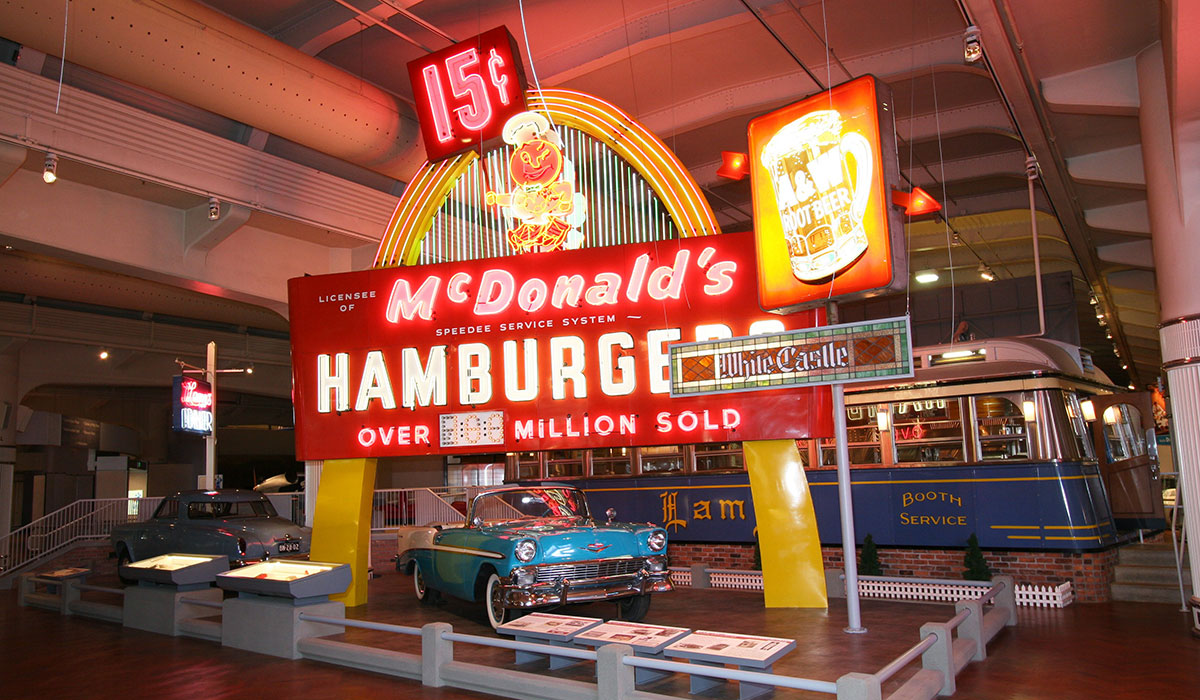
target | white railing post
[
  {"x": 940, "y": 656},
  {"x": 859, "y": 686},
  {"x": 614, "y": 679},
  {"x": 1006, "y": 599},
  {"x": 972, "y": 627},
  {"x": 435, "y": 651}
]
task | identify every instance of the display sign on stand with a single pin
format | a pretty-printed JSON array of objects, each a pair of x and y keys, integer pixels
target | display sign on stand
[
  {"x": 157, "y": 602},
  {"x": 183, "y": 571},
  {"x": 302, "y": 582}
]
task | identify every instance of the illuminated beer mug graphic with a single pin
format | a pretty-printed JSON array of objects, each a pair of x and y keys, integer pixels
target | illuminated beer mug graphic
[{"x": 822, "y": 180}]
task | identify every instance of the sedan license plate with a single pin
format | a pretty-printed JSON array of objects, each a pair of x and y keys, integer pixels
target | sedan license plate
[{"x": 288, "y": 547}]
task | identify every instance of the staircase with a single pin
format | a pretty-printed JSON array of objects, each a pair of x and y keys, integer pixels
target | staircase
[{"x": 1145, "y": 573}]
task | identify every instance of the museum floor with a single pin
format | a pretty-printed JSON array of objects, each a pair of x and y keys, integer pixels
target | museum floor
[{"x": 1110, "y": 650}]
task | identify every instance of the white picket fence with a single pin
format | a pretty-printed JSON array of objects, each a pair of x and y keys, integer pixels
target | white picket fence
[{"x": 1059, "y": 596}]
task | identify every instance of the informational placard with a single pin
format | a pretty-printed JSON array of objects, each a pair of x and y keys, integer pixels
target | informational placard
[
  {"x": 566, "y": 349},
  {"x": 465, "y": 93},
  {"x": 192, "y": 404},
  {"x": 548, "y": 625},
  {"x": 841, "y": 354},
  {"x": 637, "y": 635},
  {"x": 820, "y": 174},
  {"x": 741, "y": 649}
]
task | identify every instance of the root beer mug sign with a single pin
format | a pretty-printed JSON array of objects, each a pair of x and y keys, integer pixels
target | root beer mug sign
[{"x": 820, "y": 169}]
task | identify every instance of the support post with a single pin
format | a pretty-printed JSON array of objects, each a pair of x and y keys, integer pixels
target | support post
[
  {"x": 614, "y": 680},
  {"x": 342, "y": 522},
  {"x": 859, "y": 686},
  {"x": 700, "y": 576},
  {"x": 1007, "y": 599},
  {"x": 940, "y": 656},
  {"x": 972, "y": 627},
  {"x": 435, "y": 652},
  {"x": 210, "y": 440},
  {"x": 845, "y": 498}
]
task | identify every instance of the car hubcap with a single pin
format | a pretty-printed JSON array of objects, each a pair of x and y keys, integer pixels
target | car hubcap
[{"x": 497, "y": 606}]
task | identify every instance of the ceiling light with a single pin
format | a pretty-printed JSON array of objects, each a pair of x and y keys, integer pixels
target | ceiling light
[
  {"x": 50, "y": 170},
  {"x": 103, "y": 355},
  {"x": 986, "y": 273},
  {"x": 972, "y": 46},
  {"x": 250, "y": 369},
  {"x": 214, "y": 209},
  {"x": 926, "y": 276}
]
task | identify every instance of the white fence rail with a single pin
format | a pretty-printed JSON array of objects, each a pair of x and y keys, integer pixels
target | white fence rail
[{"x": 1059, "y": 596}]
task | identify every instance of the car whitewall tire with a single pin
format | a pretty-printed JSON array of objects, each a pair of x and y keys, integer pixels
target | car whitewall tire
[{"x": 496, "y": 612}]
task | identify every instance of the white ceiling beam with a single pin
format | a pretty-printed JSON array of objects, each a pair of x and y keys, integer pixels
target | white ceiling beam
[
  {"x": 1109, "y": 89},
  {"x": 1132, "y": 218},
  {"x": 1118, "y": 167},
  {"x": 1131, "y": 254}
]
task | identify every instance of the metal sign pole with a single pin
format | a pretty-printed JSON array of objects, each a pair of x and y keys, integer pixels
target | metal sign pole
[
  {"x": 210, "y": 440},
  {"x": 849, "y": 555}
]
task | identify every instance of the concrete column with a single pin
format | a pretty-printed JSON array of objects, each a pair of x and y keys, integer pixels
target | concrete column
[
  {"x": 1176, "y": 249},
  {"x": 9, "y": 400}
]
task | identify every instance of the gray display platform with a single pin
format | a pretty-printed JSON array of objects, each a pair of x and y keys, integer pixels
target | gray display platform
[
  {"x": 747, "y": 652},
  {"x": 647, "y": 641},
  {"x": 181, "y": 571},
  {"x": 160, "y": 608},
  {"x": 303, "y": 582},
  {"x": 273, "y": 625},
  {"x": 555, "y": 630}
]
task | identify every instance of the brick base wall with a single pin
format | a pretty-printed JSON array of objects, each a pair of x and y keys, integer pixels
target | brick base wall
[{"x": 1090, "y": 573}]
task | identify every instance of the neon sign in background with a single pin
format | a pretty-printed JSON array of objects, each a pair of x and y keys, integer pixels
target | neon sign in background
[
  {"x": 464, "y": 93},
  {"x": 820, "y": 171},
  {"x": 571, "y": 347}
]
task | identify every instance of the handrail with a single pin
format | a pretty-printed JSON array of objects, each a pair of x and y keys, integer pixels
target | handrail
[
  {"x": 361, "y": 624},
  {"x": 537, "y": 648},
  {"x": 906, "y": 658}
]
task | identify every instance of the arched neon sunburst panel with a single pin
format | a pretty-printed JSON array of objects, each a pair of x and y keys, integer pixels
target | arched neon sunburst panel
[{"x": 661, "y": 192}]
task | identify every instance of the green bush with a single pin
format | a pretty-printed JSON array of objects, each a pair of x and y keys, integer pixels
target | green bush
[
  {"x": 977, "y": 568},
  {"x": 868, "y": 564}
]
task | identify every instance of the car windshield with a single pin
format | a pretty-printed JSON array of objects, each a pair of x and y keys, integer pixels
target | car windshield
[
  {"x": 202, "y": 510},
  {"x": 531, "y": 503}
]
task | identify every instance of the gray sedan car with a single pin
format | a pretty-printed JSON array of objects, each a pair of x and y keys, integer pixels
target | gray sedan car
[{"x": 242, "y": 525}]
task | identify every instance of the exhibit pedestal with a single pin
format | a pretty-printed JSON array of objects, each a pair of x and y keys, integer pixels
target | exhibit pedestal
[
  {"x": 273, "y": 625},
  {"x": 159, "y": 608}
]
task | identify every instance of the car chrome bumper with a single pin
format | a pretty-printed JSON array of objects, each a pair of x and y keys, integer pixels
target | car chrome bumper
[{"x": 585, "y": 590}]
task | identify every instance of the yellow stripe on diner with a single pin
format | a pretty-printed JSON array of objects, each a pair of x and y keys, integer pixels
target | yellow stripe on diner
[
  {"x": 1025, "y": 537},
  {"x": 1015, "y": 527},
  {"x": 856, "y": 483},
  {"x": 1088, "y": 537},
  {"x": 1071, "y": 527}
]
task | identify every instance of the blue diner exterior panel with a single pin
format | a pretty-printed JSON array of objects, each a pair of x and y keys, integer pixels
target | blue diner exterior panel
[{"x": 1059, "y": 506}]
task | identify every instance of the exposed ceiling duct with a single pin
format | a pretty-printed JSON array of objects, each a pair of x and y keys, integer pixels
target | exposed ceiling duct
[{"x": 199, "y": 56}]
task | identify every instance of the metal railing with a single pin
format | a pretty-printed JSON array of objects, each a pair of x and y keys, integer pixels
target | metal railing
[{"x": 86, "y": 520}]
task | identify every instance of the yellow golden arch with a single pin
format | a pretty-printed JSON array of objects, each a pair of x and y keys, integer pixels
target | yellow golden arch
[{"x": 787, "y": 527}]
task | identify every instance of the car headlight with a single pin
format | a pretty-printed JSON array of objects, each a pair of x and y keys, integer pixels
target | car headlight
[
  {"x": 525, "y": 550},
  {"x": 657, "y": 540}
]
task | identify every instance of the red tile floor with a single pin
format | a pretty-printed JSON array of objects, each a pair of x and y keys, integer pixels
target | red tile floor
[{"x": 1110, "y": 650}]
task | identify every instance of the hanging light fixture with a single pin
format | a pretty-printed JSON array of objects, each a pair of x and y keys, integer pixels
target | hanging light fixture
[
  {"x": 50, "y": 169},
  {"x": 927, "y": 276},
  {"x": 985, "y": 271},
  {"x": 972, "y": 46},
  {"x": 214, "y": 209}
]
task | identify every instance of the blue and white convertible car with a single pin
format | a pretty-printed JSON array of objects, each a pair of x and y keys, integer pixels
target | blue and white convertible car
[{"x": 525, "y": 547}]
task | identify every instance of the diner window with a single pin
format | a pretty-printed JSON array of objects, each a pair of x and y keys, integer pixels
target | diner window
[
  {"x": 927, "y": 431},
  {"x": 862, "y": 433},
  {"x": 1079, "y": 428},
  {"x": 719, "y": 456},
  {"x": 1122, "y": 432},
  {"x": 662, "y": 459},
  {"x": 612, "y": 461},
  {"x": 524, "y": 465},
  {"x": 1002, "y": 430},
  {"x": 564, "y": 464}
]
